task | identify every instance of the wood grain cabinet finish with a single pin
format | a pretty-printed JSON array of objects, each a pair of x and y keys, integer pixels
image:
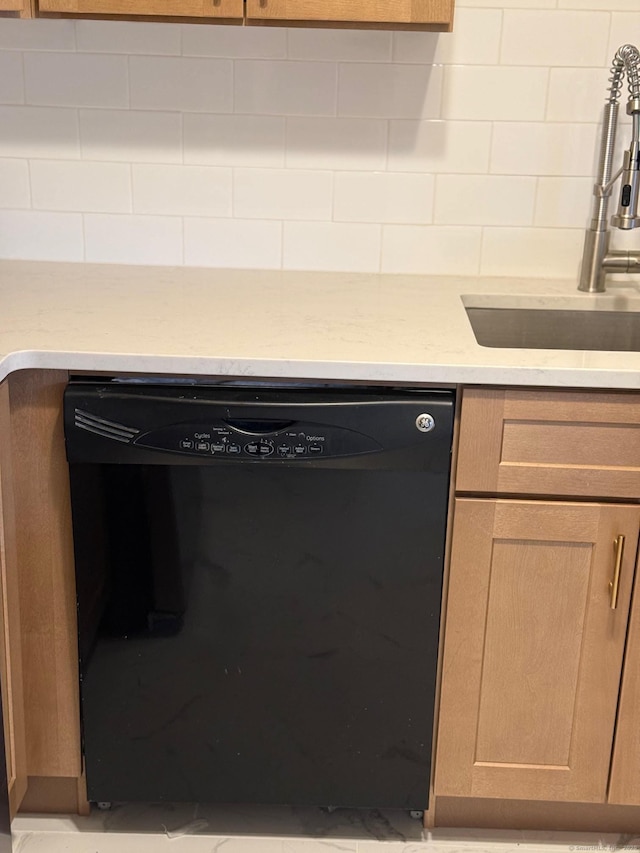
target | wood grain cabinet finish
[
  {"x": 220, "y": 9},
  {"x": 409, "y": 13},
  {"x": 515, "y": 442},
  {"x": 46, "y": 579},
  {"x": 624, "y": 787},
  {"x": 533, "y": 651},
  {"x": 16, "y": 8},
  {"x": 10, "y": 639}
]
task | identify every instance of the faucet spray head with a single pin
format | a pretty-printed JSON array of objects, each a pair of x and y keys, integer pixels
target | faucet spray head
[{"x": 627, "y": 216}]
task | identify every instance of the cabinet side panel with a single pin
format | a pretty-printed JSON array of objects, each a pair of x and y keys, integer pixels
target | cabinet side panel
[
  {"x": 47, "y": 584},
  {"x": 10, "y": 641}
]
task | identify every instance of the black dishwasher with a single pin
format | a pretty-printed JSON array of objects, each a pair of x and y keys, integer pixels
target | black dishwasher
[{"x": 259, "y": 579}]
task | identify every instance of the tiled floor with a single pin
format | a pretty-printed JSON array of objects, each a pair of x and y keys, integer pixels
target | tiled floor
[{"x": 199, "y": 829}]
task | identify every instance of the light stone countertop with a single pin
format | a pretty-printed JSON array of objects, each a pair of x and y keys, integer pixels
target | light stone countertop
[{"x": 301, "y": 325}]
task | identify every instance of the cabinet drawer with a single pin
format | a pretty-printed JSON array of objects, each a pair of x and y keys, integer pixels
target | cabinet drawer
[{"x": 549, "y": 442}]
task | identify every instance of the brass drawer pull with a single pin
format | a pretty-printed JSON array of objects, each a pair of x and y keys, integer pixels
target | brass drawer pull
[{"x": 618, "y": 544}]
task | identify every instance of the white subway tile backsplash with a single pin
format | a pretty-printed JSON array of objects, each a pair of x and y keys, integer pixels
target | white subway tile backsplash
[
  {"x": 563, "y": 202},
  {"x": 625, "y": 27},
  {"x": 285, "y": 88},
  {"x": 454, "y": 153},
  {"x": 38, "y": 236},
  {"x": 544, "y": 149},
  {"x": 127, "y": 37},
  {"x": 36, "y": 34},
  {"x": 38, "y": 132},
  {"x": 383, "y": 197},
  {"x": 621, "y": 5},
  {"x": 543, "y": 252},
  {"x": 439, "y": 146},
  {"x": 576, "y": 94},
  {"x": 554, "y": 38},
  {"x": 81, "y": 186},
  {"x": 484, "y": 200},
  {"x": 339, "y": 45},
  {"x": 494, "y": 93},
  {"x": 282, "y": 194},
  {"x": 336, "y": 143},
  {"x": 242, "y": 243},
  {"x": 14, "y": 184},
  {"x": 178, "y": 83},
  {"x": 11, "y": 79},
  {"x": 389, "y": 90},
  {"x": 475, "y": 40},
  {"x": 331, "y": 246},
  {"x": 234, "y": 140},
  {"x": 508, "y": 4},
  {"x": 432, "y": 249},
  {"x": 234, "y": 42},
  {"x": 181, "y": 190},
  {"x": 111, "y": 238},
  {"x": 131, "y": 136},
  {"x": 75, "y": 80}
]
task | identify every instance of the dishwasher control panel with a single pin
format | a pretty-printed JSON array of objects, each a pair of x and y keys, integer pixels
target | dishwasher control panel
[{"x": 259, "y": 440}]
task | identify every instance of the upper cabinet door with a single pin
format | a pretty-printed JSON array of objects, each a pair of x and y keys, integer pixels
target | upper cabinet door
[
  {"x": 381, "y": 12},
  {"x": 533, "y": 649},
  {"x": 231, "y": 9},
  {"x": 19, "y": 8}
]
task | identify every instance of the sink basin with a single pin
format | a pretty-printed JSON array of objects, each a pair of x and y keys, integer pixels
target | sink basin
[{"x": 509, "y": 323}]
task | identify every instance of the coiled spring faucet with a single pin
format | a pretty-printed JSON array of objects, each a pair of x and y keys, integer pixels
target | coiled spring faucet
[{"x": 597, "y": 258}]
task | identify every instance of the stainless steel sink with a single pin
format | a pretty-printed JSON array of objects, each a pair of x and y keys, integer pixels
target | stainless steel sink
[{"x": 504, "y": 323}]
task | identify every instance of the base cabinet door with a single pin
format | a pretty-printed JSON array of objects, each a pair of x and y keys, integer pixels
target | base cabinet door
[
  {"x": 533, "y": 650},
  {"x": 407, "y": 12}
]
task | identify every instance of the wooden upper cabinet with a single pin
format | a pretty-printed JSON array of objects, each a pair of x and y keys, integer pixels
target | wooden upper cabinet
[
  {"x": 533, "y": 651},
  {"x": 515, "y": 442},
  {"x": 225, "y": 9},
  {"x": 392, "y": 13},
  {"x": 16, "y": 8}
]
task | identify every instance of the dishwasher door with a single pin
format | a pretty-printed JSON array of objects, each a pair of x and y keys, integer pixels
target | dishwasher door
[{"x": 259, "y": 585}]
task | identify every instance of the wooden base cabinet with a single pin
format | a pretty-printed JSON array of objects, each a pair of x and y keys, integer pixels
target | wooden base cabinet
[{"x": 533, "y": 649}]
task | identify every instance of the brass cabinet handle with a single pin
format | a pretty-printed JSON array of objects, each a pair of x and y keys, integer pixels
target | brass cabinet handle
[{"x": 618, "y": 544}]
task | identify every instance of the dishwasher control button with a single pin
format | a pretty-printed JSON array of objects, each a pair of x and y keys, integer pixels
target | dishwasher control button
[
  {"x": 266, "y": 449},
  {"x": 233, "y": 448},
  {"x": 251, "y": 449},
  {"x": 202, "y": 445},
  {"x": 300, "y": 449},
  {"x": 284, "y": 449},
  {"x": 186, "y": 444},
  {"x": 316, "y": 448},
  {"x": 218, "y": 448}
]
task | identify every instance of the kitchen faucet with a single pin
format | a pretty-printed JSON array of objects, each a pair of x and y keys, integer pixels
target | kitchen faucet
[{"x": 597, "y": 258}]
